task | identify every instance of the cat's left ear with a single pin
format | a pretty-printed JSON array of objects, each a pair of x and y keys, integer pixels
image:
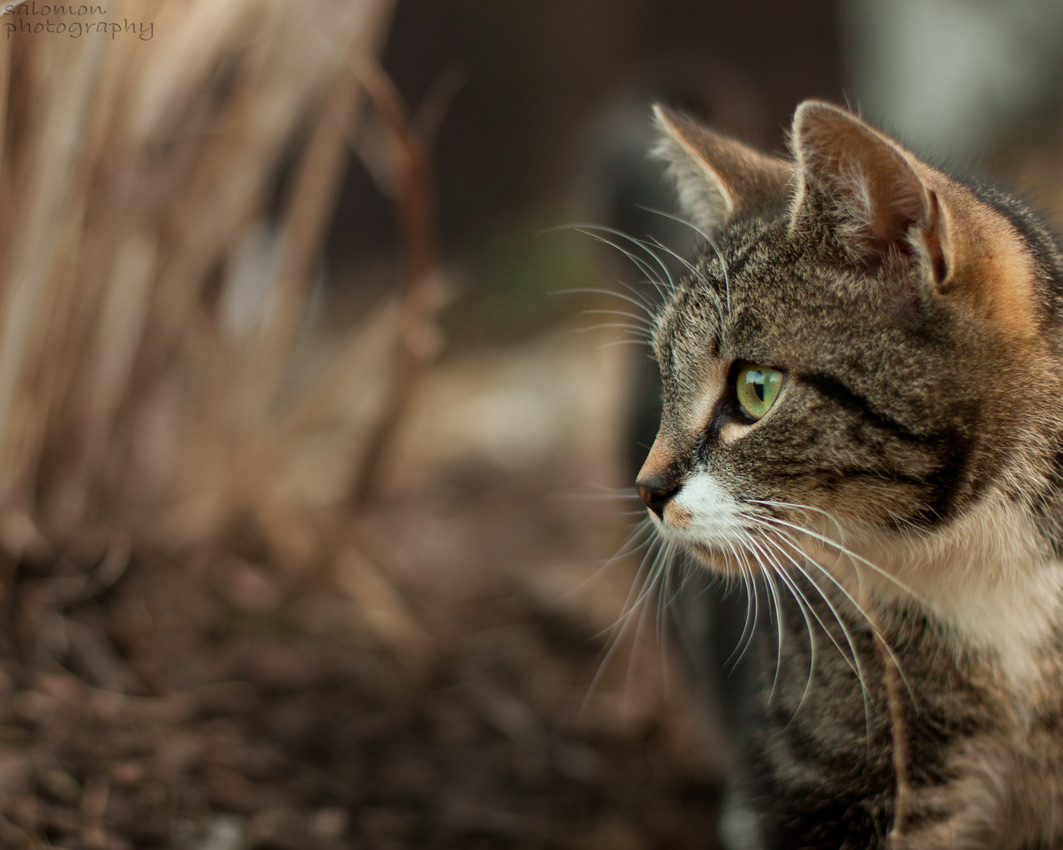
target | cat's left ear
[
  {"x": 874, "y": 197},
  {"x": 718, "y": 178}
]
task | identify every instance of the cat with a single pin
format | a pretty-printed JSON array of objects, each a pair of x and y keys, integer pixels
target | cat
[{"x": 862, "y": 416}]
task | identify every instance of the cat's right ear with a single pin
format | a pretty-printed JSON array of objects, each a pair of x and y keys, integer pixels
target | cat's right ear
[{"x": 718, "y": 178}]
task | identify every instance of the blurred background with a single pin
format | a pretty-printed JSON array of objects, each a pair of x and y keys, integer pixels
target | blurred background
[{"x": 319, "y": 416}]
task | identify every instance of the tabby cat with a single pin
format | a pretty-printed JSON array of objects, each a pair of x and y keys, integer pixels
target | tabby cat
[{"x": 863, "y": 415}]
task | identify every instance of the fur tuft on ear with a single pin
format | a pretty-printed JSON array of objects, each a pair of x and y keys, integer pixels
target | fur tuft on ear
[
  {"x": 717, "y": 178},
  {"x": 866, "y": 188}
]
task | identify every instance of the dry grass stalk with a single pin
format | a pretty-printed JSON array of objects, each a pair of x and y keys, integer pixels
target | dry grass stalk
[
  {"x": 131, "y": 174},
  {"x": 415, "y": 342}
]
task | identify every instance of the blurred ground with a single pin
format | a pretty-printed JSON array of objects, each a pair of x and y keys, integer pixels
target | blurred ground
[{"x": 444, "y": 689}]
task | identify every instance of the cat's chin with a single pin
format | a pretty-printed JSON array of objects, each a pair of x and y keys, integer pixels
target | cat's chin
[{"x": 723, "y": 562}]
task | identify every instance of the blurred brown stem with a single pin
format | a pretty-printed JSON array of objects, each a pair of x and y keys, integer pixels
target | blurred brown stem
[{"x": 414, "y": 344}]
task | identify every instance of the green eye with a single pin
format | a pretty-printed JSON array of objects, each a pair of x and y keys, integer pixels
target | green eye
[{"x": 757, "y": 387}]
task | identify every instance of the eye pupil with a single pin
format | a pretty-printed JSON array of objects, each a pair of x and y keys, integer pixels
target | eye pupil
[{"x": 757, "y": 380}]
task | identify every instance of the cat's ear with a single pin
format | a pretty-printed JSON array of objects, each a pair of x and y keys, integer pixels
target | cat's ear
[
  {"x": 718, "y": 178},
  {"x": 873, "y": 195}
]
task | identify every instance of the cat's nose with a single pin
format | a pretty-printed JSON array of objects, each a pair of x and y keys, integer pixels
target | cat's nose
[{"x": 655, "y": 491}]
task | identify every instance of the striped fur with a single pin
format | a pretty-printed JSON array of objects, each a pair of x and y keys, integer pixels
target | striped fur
[{"x": 902, "y": 500}]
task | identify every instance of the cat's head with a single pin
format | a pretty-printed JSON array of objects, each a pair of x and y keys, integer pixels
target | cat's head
[{"x": 866, "y": 351}]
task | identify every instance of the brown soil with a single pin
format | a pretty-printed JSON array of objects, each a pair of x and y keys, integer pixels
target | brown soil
[{"x": 444, "y": 687}]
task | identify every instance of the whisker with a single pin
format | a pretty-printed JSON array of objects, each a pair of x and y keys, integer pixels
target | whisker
[
  {"x": 798, "y": 565},
  {"x": 658, "y": 553},
  {"x": 622, "y": 314},
  {"x": 853, "y": 660},
  {"x": 615, "y": 633},
  {"x": 665, "y": 604},
  {"x": 773, "y": 591},
  {"x": 749, "y": 626},
  {"x": 595, "y": 231},
  {"x": 689, "y": 266},
  {"x": 602, "y": 494},
  {"x": 646, "y": 308},
  {"x": 686, "y": 222},
  {"x": 807, "y": 608},
  {"x": 871, "y": 621},
  {"x": 639, "y": 332},
  {"x": 640, "y": 537},
  {"x": 693, "y": 271},
  {"x": 834, "y": 544},
  {"x": 708, "y": 241},
  {"x": 803, "y": 607},
  {"x": 649, "y": 589},
  {"x": 664, "y": 287},
  {"x": 613, "y": 343}
]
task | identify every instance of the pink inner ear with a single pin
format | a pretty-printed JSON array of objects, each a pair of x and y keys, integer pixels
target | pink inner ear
[
  {"x": 864, "y": 179},
  {"x": 890, "y": 195}
]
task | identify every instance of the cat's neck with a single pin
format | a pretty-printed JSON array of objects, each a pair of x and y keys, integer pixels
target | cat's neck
[{"x": 989, "y": 579}]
